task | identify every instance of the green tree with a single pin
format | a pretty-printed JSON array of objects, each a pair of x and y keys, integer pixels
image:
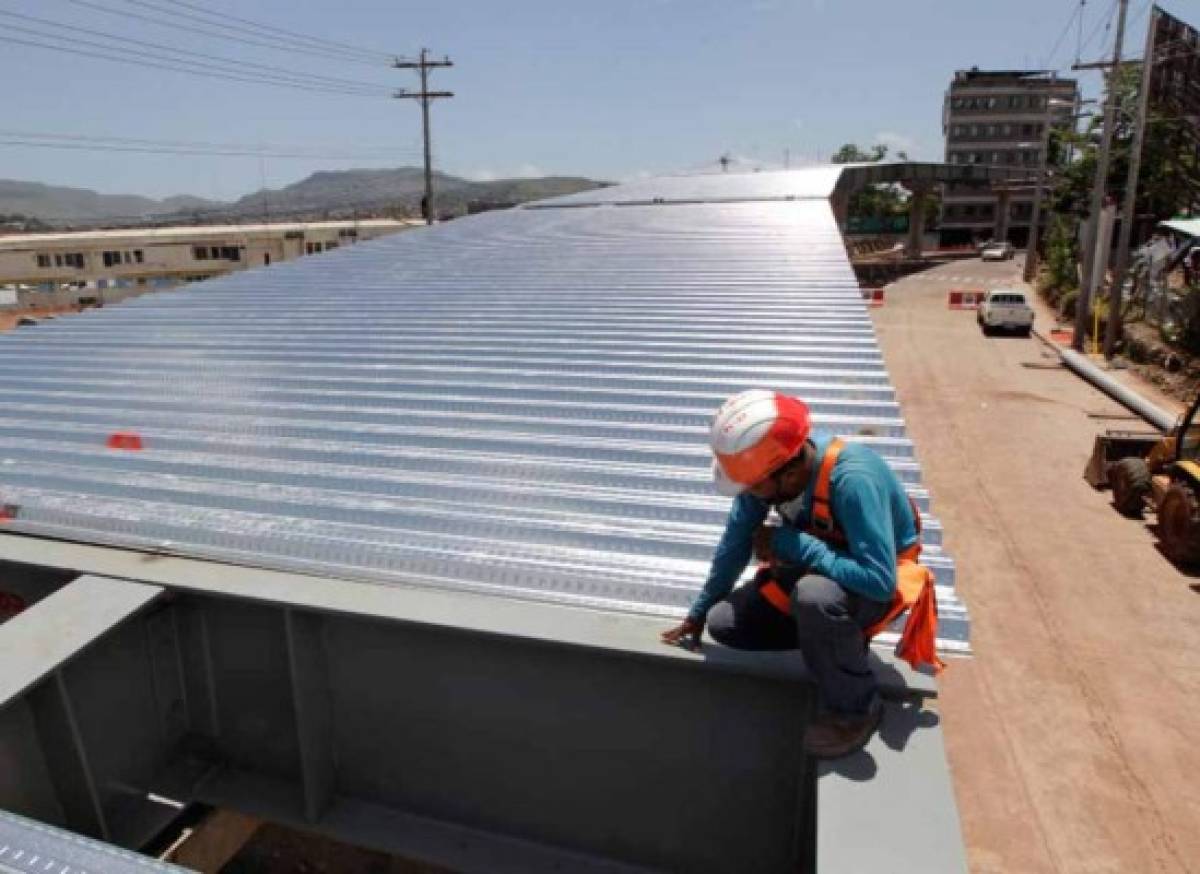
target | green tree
[
  {"x": 850, "y": 153},
  {"x": 1169, "y": 180},
  {"x": 885, "y": 201}
]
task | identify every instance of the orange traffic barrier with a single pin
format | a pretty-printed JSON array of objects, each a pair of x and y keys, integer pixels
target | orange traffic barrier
[
  {"x": 965, "y": 298},
  {"x": 124, "y": 440},
  {"x": 873, "y": 296},
  {"x": 1062, "y": 336}
]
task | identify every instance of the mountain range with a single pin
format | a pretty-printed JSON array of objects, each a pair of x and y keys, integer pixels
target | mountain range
[{"x": 332, "y": 194}]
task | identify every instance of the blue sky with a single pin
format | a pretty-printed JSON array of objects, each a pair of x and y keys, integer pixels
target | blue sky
[{"x": 611, "y": 89}]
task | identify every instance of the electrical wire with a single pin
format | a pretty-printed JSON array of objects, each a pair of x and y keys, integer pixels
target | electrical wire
[
  {"x": 1079, "y": 31},
  {"x": 151, "y": 150},
  {"x": 157, "y": 53},
  {"x": 75, "y": 51},
  {"x": 1066, "y": 29},
  {"x": 224, "y": 19},
  {"x": 221, "y": 32},
  {"x": 1106, "y": 21},
  {"x": 300, "y": 151}
]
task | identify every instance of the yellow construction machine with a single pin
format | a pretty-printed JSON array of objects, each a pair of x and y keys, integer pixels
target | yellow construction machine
[{"x": 1159, "y": 472}]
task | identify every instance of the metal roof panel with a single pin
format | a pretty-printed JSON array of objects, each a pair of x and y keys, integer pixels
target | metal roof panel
[{"x": 514, "y": 403}]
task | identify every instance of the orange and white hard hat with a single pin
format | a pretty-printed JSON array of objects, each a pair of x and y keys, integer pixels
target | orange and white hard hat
[{"x": 753, "y": 435}]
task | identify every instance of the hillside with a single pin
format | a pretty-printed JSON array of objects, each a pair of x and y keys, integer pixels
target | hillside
[
  {"x": 58, "y": 203},
  {"x": 332, "y": 194}
]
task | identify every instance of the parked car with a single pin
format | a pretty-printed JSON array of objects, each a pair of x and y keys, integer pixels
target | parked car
[
  {"x": 1005, "y": 310},
  {"x": 997, "y": 252}
]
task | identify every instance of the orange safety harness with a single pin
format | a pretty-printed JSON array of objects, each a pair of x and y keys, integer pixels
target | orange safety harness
[{"x": 914, "y": 582}]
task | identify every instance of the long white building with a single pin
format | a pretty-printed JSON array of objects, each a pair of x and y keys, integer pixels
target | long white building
[{"x": 160, "y": 257}]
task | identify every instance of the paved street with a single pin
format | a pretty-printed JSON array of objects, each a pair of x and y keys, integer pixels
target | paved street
[{"x": 1073, "y": 734}]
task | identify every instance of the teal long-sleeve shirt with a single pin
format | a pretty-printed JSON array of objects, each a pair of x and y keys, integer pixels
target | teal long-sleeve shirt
[{"x": 869, "y": 505}]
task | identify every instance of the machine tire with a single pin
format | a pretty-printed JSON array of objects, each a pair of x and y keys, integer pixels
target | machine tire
[
  {"x": 1130, "y": 480},
  {"x": 1179, "y": 524}
]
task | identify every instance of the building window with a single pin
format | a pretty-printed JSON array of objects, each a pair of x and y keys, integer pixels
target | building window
[
  {"x": 200, "y": 253},
  {"x": 348, "y": 232},
  {"x": 139, "y": 256},
  {"x": 230, "y": 253},
  {"x": 313, "y": 248},
  {"x": 330, "y": 245},
  {"x": 58, "y": 260},
  {"x": 1026, "y": 130},
  {"x": 111, "y": 258},
  {"x": 43, "y": 260}
]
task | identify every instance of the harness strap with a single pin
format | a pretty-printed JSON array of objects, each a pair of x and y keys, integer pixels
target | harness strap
[{"x": 914, "y": 582}]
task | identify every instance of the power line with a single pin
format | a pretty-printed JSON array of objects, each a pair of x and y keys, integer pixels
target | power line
[
  {"x": 1106, "y": 21},
  {"x": 212, "y": 29},
  {"x": 1066, "y": 29},
  {"x": 151, "y": 150},
  {"x": 176, "y": 67},
  {"x": 224, "y": 19},
  {"x": 159, "y": 48},
  {"x": 203, "y": 144}
]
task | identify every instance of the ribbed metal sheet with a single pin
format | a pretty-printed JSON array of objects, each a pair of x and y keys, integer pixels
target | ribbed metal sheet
[
  {"x": 809, "y": 183},
  {"x": 28, "y": 847},
  {"x": 515, "y": 402}
]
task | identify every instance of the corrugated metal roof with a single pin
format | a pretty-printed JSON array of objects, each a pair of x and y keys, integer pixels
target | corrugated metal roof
[
  {"x": 516, "y": 402},
  {"x": 811, "y": 182}
]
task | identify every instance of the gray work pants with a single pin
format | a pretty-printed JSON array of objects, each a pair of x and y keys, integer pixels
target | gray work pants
[{"x": 826, "y": 625}]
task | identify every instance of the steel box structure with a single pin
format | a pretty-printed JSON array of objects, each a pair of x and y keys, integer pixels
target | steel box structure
[{"x": 394, "y": 556}]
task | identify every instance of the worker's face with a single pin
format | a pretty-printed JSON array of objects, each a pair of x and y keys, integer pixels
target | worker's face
[{"x": 783, "y": 486}]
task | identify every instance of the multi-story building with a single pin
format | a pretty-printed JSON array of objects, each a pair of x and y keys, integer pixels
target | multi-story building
[
  {"x": 999, "y": 118},
  {"x": 159, "y": 257}
]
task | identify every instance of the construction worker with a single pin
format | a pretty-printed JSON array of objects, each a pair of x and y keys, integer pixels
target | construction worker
[{"x": 830, "y": 564}]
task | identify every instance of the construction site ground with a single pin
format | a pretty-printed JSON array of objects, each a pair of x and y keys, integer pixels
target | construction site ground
[{"x": 1073, "y": 733}]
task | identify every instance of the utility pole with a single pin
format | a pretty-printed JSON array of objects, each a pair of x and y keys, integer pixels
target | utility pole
[
  {"x": 1035, "y": 218},
  {"x": 1113, "y": 329},
  {"x": 1096, "y": 277},
  {"x": 423, "y": 66}
]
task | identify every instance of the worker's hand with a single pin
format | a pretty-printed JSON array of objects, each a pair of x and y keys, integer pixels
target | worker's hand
[
  {"x": 686, "y": 634},
  {"x": 762, "y": 543}
]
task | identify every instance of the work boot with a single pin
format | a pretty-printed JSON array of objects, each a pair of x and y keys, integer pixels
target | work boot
[{"x": 834, "y": 735}]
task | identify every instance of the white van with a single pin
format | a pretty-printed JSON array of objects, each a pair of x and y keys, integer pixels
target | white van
[{"x": 1005, "y": 310}]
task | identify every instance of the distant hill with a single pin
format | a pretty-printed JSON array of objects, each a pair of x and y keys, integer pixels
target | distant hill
[
  {"x": 342, "y": 192},
  {"x": 57, "y": 203},
  {"x": 333, "y": 194}
]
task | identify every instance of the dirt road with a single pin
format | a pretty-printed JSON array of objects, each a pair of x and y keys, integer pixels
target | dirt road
[{"x": 1074, "y": 733}]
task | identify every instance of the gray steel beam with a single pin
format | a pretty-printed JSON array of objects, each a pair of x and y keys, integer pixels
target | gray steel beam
[
  {"x": 891, "y": 806},
  {"x": 66, "y": 760},
  {"x": 314, "y": 709},
  {"x": 37, "y": 642}
]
